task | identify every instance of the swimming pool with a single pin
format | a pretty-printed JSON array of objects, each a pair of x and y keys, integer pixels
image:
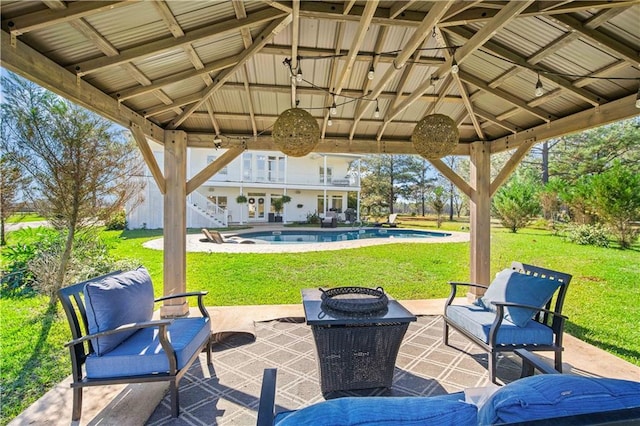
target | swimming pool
[{"x": 310, "y": 236}]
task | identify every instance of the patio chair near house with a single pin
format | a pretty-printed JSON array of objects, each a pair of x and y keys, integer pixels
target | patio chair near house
[
  {"x": 521, "y": 309},
  {"x": 116, "y": 341},
  {"x": 330, "y": 220},
  {"x": 391, "y": 221},
  {"x": 212, "y": 236}
]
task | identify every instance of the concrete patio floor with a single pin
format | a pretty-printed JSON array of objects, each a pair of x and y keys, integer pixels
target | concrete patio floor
[{"x": 249, "y": 340}]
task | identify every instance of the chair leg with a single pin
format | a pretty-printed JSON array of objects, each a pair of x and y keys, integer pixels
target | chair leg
[
  {"x": 558, "y": 361},
  {"x": 445, "y": 334},
  {"x": 175, "y": 399},
  {"x": 492, "y": 366},
  {"x": 77, "y": 404},
  {"x": 209, "y": 345}
]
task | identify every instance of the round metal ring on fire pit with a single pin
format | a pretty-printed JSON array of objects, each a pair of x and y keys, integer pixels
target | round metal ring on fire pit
[{"x": 355, "y": 299}]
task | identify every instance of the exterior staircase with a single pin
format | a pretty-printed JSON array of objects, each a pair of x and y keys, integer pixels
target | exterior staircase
[{"x": 215, "y": 215}]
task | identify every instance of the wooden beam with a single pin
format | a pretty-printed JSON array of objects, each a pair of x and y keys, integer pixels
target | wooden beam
[
  {"x": 493, "y": 119},
  {"x": 455, "y": 178},
  {"x": 469, "y": 107},
  {"x": 213, "y": 168},
  {"x": 175, "y": 224},
  {"x": 399, "y": 7},
  {"x": 241, "y": 14},
  {"x": 164, "y": 45},
  {"x": 617, "y": 48},
  {"x": 356, "y": 42},
  {"x": 149, "y": 158},
  {"x": 333, "y": 77},
  {"x": 468, "y": 78},
  {"x": 46, "y": 18},
  {"x": 620, "y": 109},
  {"x": 430, "y": 20},
  {"x": 480, "y": 218},
  {"x": 30, "y": 64},
  {"x": 264, "y": 37},
  {"x": 515, "y": 58},
  {"x": 509, "y": 167},
  {"x": 169, "y": 20}
]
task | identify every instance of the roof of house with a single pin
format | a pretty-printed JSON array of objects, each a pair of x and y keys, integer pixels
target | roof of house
[{"x": 225, "y": 70}]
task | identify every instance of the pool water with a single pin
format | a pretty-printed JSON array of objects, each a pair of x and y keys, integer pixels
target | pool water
[{"x": 311, "y": 236}]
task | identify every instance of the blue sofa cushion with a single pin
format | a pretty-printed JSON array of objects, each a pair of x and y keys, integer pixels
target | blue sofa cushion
[
  {"x": 556, "y": 395},
  {"x": 477, "y": 321},
  {"x": 116, "y": 300},
  {"x": 512, "y": 286},
  {"x": 387, "y": 411},
  {"x": 185, "y": 334}
]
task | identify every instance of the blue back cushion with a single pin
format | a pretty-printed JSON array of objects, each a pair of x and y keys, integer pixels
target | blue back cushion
[
  {"x": 512, "y": 286},
  {"x": 556, "y": 395},
  {"x": 387, "y": 411},
  {"x": 116, "y": 300}
]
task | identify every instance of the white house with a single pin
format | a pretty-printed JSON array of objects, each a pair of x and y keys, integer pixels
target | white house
[{"x": 316, "y": 183}]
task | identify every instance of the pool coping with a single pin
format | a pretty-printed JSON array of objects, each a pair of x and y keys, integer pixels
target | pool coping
[{"x": 195, "y": 245}]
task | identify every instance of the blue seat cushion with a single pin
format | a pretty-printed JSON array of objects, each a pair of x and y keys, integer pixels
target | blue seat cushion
[
  {"x": 116, "y": 300},
  {"x": 512, "y": 286},
  {"x": 477, "y": 321},
  {"x": 387, "y": 411},
  {"x": 142, "y": 353},
  {"x": 557, "y": 395}
]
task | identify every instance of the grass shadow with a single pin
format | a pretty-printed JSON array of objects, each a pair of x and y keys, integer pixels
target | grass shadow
[{"x": 582, "y": 333}]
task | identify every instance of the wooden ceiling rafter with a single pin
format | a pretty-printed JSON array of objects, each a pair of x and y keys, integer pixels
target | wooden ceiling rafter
[
  {"x": 520, "y": 61},
  {"x": 263, "y": 38},
  {"x": 247, "y": 40},
  {"x": 164, "y": 45},
  {"x": 430, "y": 20}
]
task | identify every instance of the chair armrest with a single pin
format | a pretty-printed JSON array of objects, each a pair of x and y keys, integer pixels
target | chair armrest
[
  {"x": 200, "y": 295},
  {"x": 266, "y": 409},
  {"x": 533, "y": 308},
  {"x": 454, "y": 288},
  {"x": 122, "y": 328},
  {"x": 530, "y": 361}
]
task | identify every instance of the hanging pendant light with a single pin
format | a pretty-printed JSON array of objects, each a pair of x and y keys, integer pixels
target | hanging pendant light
[
  {"x": 435, "y": 136},
  {"x": 296, "y": 132}
]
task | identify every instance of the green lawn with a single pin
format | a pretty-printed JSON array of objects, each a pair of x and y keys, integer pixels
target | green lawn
[
  {"x": 25, "y": 217},
  {"x": 603, "y": 302}
]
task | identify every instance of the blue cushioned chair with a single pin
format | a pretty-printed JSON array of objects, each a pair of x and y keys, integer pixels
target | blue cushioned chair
[
  {"x": 116, "y": 340},
  {"x": 522, "y": 308}
]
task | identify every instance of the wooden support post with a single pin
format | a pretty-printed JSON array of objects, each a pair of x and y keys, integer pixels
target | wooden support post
[
  {"x": 480, "y": 217},
  {"x": 175, "y": 223}
]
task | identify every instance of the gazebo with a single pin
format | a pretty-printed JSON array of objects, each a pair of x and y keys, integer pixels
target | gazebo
[{"x": 190, "y": 74}]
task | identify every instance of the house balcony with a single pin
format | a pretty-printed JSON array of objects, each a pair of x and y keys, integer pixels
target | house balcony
[{"x": 292, "y": 181}]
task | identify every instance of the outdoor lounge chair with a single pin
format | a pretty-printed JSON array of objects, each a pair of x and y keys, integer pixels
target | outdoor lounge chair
[
  {"x": 116, "y": 341},
  {"x": 391, "y": 221},
  {"x": 543, "y": 399},
  {"x": 330, "y": 221},
  {"x": 515, "y": 313},
  {"x": 212, "y": 236}
]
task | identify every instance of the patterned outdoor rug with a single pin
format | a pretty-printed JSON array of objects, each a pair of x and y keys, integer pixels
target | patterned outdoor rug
[{"x": 229, "y": 392}]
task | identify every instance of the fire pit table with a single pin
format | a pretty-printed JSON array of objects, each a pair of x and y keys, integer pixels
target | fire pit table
[{"x": 356, "y": 348}]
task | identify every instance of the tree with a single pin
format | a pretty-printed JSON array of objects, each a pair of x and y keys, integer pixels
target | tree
[
  {"x": 12, "y": 180},
  {"x": 615, "y": 198},
  {"x": 516, "y": 202},
  {"x": 382, "y": 177},
  {"x": 437, "y": 202},
  {"x": 81, "y": 166},
  {"x": 419, "y": 182}
]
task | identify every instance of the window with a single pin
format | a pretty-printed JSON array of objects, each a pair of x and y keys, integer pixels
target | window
[
  {"x": 329, "y": 171},
  {"x": 211, "y": 159},
  {"x": 247, "y": 159},
  {"x": 320, "y": 204},
  {"x": 336, "y": 203}
]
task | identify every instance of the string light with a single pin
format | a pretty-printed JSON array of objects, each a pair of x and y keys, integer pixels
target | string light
[
  {"x": 299, "y": 73},
  {"x": 454, "y": 66},
  {"x": 334, "y": 109},
  {"x": 539, "y": 89},
  {"x": 376, "y": 114},
  {"x": 371, "y": 73},
  {"x": 329, "y": 122}
]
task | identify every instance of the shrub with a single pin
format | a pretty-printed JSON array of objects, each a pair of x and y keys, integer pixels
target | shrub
[
  {"x": 117, "y": 221},
  {"x": 592, "y": 235},
  {"x": 313, "y": 218},
  {"x": 516, "y": 203}
]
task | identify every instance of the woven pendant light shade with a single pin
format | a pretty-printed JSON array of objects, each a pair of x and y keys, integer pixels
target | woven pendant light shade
[
  {"x": 435, "y": 136},
  {"x": 296, "y": 132}
]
